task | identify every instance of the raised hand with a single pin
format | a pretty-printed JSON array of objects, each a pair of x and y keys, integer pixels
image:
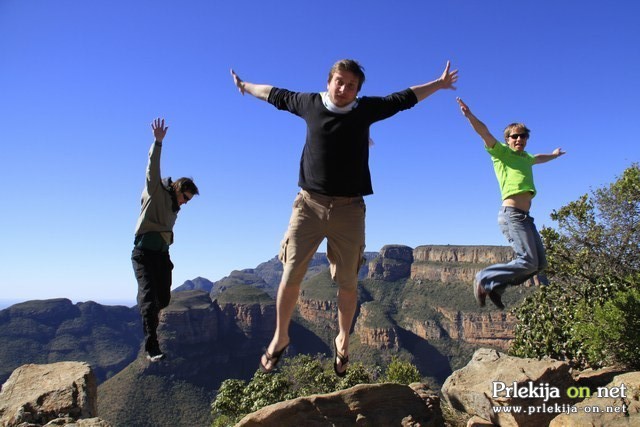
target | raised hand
[
  {"x": 463, "y": 107},
  {"x": 558, "y": 152},
  {"x": 448, "y": 78},
  {"x": 237, "y": 81},
  {"x": 159, "y": 129}
]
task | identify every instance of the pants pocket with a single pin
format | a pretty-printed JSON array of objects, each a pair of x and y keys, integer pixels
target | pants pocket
[{"x": 282, "y": 255}]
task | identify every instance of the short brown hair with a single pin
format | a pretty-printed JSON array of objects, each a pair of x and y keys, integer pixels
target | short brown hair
[
  {"x": 515, "y": 126},
  {"x": 185, "y": 185},
  {"x": 350, "y": 65}
]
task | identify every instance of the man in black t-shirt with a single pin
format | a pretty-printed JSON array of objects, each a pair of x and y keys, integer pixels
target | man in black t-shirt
[{"x": 334, "y": 177}]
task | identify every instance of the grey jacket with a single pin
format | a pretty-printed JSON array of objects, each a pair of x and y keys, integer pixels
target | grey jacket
[{"x": 159, "y": 206}]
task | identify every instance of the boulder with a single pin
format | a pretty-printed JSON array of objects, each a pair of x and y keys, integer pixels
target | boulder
[
  {"x": 493, "y": 384},
  {"x": 615, "y": 404},
  {"x": 39, "y": 394},
  {"x": 362, "y": 405}
]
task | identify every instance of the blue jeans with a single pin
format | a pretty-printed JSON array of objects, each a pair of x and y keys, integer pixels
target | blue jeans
[{"x": 519, "y": 229}]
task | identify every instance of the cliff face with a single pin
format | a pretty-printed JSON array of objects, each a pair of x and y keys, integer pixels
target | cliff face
[
  {"x": 197, "y": 329},
  {"x": 318, "y": 312},
  {"x": 393, "y": 263},
  {"x": 441, "y": 263},
  {"x": 191, "y": 319},
  {"x": 252, "y": 320},
  {"x": 449, "y": 264},
  {"x": 444, "y": 265},
  {"x": 489, "y": 329},
  {"x": 380, "y": 337}
]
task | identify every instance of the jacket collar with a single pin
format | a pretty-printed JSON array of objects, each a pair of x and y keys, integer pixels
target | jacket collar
[{"x": 166, "y": 184}]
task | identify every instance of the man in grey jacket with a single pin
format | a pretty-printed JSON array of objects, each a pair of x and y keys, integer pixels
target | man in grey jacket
[{"x": 161, "y": 201}]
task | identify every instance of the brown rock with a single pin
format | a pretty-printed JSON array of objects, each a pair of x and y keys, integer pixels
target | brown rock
[
  {"x": 476, "y": 421},
  {"x": 594, "y": 378},
  {"x": 362, "y": 405},
  {"x": 38, "y": 394},
  {"x": 609, "y": 408},
  {"x": 470, "y": 390}
]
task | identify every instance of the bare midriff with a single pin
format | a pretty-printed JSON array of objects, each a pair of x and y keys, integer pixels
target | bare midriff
[{"x": 520, "y": 201}]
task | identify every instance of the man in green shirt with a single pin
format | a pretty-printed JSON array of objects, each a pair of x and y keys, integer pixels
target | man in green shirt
[{"x": 514, "y": 170}]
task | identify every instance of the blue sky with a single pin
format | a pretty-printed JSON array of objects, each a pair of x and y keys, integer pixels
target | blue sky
[{"x": 81, "y": 81}]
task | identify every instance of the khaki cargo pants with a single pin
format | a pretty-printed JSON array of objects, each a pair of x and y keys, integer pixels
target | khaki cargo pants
[{"x": 315, "y": 217}]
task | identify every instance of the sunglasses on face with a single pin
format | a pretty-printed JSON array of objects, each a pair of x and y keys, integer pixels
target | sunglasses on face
[
  {"x": 519, "y": 135},
  {"x": 186, "y": 197}
]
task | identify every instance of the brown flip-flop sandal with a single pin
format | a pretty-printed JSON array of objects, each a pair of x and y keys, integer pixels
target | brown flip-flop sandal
[
  {"x": 272, "y": 358},
  {"x": 343, "y": 360}
]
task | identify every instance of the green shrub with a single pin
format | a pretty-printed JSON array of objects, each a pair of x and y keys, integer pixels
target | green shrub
[
  {"x": 302, "y": 375},
  {"x": 401, "y": 372},
  {"x": 545, "y": 326},
  {"x": 589, "y": 315},
  {"x": 612, "y": 336}
]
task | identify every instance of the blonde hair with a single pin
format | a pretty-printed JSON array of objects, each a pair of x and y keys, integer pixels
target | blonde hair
[{"x": 515, "y": 126}]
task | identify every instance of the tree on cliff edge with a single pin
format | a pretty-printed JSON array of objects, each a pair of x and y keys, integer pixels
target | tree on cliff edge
[{"x": 590, "y": 314}]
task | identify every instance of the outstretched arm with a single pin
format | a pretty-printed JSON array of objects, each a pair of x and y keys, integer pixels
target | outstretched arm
[
  {"x": 258, "y": 90},
  {"x": 478, "y": 126},
  {"x": 153, "y": 167},
  {"x": 446, "y": 81},
  {"x": 544, "y": 158}
]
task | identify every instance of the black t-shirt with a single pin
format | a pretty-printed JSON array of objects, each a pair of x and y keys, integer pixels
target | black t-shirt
[{"x": 335, "y": 157}]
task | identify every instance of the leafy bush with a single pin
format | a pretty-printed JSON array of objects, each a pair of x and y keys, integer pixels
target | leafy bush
[
  {"x": 594, "y": 264},
  {"x": 402, "y": 372},
  {"x": 613, "y": 337},
  {"x": 302, "y": 375}
]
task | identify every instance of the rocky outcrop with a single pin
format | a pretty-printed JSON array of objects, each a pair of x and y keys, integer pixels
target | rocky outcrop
[
  {"x": 614, "y": 404},
  {"x": 362, "y": 405},
  {"x": 463, "y": 254},
  {"x": 496, "y": 389},
  {"x": 252, "y": 320},
  {"x": 194, "y": 328},
  {"x": 318, "y": 311},
  {"x": 449, "y": 263},
  {"x": 494, "y": 380},
  {"x": 393, "y": 263},
  {"x": 191, "y": 319},
  {"x": 35, "y": 395},
  {"x": 488, "y": 328},
  {"x": 371, "y": 332}
]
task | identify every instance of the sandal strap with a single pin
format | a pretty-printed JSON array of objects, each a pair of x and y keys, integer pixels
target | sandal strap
[{"x": 343, "y": 359}]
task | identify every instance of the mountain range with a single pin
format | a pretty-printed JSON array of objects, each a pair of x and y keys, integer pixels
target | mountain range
[{"x": 417, "y": 303}]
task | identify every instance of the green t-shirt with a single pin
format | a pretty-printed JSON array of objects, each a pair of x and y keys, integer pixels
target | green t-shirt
[{"x": 513, "y": 169}]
